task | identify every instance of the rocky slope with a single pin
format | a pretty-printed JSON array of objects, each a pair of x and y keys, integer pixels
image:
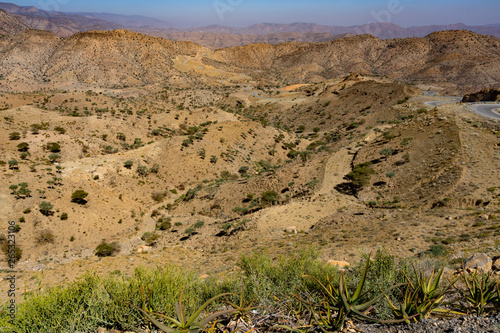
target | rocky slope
[
  {"x": 449, "y": 56},
  {"x": 11, "y": 24},
  {"x": 123, "y": 58}
]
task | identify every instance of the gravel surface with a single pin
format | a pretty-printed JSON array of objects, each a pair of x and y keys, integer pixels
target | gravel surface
[{"x": 464, "y": 324}]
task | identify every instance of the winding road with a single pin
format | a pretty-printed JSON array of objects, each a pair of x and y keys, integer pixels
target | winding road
[
  {"x": 490, "y": 110},
  {"x": 486, "y": 110}
]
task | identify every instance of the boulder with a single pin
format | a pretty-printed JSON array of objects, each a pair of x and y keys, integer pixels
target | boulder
[
  {"x": 340, "y": 264},
  {"x": 144, "y": 248},
  {"x": 291, "y": 230},
  {"x": 479, "y": 262},
  {"x": 496, "y": 264}
]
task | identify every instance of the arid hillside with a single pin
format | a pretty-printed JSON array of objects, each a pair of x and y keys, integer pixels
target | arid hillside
[
  {"x": 121, "y": 58},
  {"x": 449, "y": 56},
  {"x": 11, "y": 24},
  {"x": 198, "y": 174}
]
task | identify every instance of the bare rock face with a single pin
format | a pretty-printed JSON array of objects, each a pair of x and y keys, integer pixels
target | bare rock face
[
  {"x": 485, "y": 95},
  {"x": 479, "y": 262}
]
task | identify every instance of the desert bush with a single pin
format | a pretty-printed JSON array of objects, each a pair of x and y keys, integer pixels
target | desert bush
[
  {"x": 44, "y": 237},
  {"x": 361, "y": 174},
  {"x": 35, "y": 128},
  {"x": 79, "y": 196},
  {"x": 64, "y": 216},
  {"x": 388, "y": 135},
  {"x": 60, "y": 130},
  {"x": 387, "y": 152},
  {"x": 158, "y": 196},
  {"x": 54, "y": 157},
  {"x": 150, "y": 238},
  {"x": 106, "y": 250},
  {"x": 53, "y": 147},
  {"x": 269, "y": 197},
  {"x": 9, "y": 250},
  {"x": 128, "y": 164},
  {"x": 23, "y": 147},
  {"x": 14, "y": 136},
  {"x": 45, "y": 208},
  {"x": 142, "y": 170},
  {"x": 164, "y": 223}
]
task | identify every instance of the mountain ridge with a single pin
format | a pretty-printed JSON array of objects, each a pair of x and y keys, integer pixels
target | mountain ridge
[
  {"x": 214, "y": 36},
  {"x": 124, "y": 58}
]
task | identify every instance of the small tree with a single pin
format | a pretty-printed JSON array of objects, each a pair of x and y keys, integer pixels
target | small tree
[
  {"x": 53, "y": 147},
  {"x": 243, "y": 170},
  {"x": 23, "y": 147},
  {"x": 60, "y": 130},
  {"x": 46, "y": 208},
  {"x": 105, "y": 250},
  {"x": 54, "y": 157},
  {"x": 79, "y": 197},
  {"x": 128, "y": 164},
  {"x": 269, "y": 197},
  {"x": 361, "y": 174},
  {"x": 13, "y": 188},
  {"x": 142, "y": 170},
  {"x": 121, "y": 136},
  {"x": 13, "y": 164},
  {"x": 387, "y": 152},
  {"x": 14, "y": 136},
  {"x": 35, "y": 128}
]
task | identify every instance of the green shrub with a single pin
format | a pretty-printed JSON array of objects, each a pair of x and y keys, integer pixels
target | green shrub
[
  {"x": 14, "y": 136},
  {"x": 199, "y": 224},
  {"x": 79, "y": 197},
  {"x": 269, "y": 197},
  {"x": 361, "y": 174},
  {"x": 45, "y": 237},
  {"x": 60, "y": 130},
  {"x": 45, "y": 208},
  {"x": 150, "y": 238},
  {"x": 106, "y": 250},
  {"x": 23, "y": 147},
  {"x": 53, "y": 147},
  {"x": 64, "y": 216},
  {"x": 164, "y": 223}
]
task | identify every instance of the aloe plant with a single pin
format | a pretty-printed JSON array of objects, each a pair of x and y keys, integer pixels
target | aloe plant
[
  {"x": 184, "y": 324},
  {"x": 241, "y": 311},
  {"x": 337, "y": 304},
  {"x": 422, "y": 297},
  {"x": 480, "y": 293}
]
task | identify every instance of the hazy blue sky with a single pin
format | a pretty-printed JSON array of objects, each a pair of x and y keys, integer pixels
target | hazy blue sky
[{"x": 329, "y": 12}]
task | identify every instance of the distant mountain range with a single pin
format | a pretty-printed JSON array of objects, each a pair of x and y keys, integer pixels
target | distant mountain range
[{"x": 216, "y": 36}]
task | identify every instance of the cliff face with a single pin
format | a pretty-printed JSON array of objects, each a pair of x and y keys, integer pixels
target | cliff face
[{"x": 485, "y": 95}]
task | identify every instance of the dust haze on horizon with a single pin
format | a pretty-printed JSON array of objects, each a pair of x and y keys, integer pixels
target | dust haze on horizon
[{"x": 242, "y": 13}]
